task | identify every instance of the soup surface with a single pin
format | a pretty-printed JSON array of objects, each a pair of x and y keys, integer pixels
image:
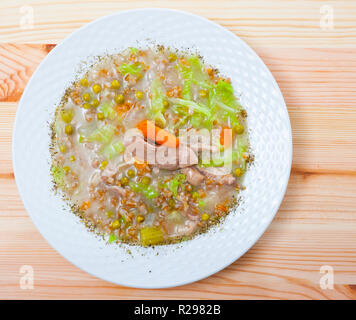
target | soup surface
[{"x": 150, "y": 146}]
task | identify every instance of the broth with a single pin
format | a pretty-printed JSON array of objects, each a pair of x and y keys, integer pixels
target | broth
[{"x": 150, "y": 146}]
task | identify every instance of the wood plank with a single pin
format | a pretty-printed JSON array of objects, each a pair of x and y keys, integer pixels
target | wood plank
[
  {"x": 319, "y": 88},
  {"x": 17, "y": 63},
  {"x": 314, "y": 227},
  {"x": 260, "y": 23}
]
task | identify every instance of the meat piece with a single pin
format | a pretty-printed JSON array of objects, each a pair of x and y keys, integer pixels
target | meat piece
[
  {"x": 193, "y": 217},
  {"x": 194, "y": 177},
  {"x": 142, "y": 208},
  {"x": 219, "y": 175},
  {"x": 94, "y": 179},
  {"x": 216, "y": 171},
  {"x": 160, "y": 156},
  {"x": 200, "y": 140},
  {"x": 116, "y": 190}
]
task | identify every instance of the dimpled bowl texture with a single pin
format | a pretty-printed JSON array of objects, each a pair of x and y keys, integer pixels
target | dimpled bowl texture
[{"x": 266, "y": 180}]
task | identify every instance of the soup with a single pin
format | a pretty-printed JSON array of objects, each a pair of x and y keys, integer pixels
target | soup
[{"x": 150, "y": 146}]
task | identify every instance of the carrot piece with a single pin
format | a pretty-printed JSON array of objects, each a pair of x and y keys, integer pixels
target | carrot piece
[
  {"x": 158, "y": 135},
  {"x": 85, "y": 205},
  {"x": 226, "y": 137}
]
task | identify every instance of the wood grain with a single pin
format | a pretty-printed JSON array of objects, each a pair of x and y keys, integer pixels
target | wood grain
[
  {"x": 316, "y": 223},
  {"x": 261, "y": 23}
]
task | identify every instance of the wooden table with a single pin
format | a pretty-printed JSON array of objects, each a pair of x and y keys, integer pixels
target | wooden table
[{"x": 315, "y": 68}]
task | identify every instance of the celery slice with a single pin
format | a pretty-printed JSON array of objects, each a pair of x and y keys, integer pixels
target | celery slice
[
  {"x": 174, "y": 183},
  {"x": 156, "y": 108},
  {"x": 196, "y": 107},
  {"x": 113, "y": 149},
  {"x": 148, "y": 191},
  {"x": 103, "y": 134},
  {"x": 133, "y": 69},
  {"x": 151, "y": 236},
  {"x": 107, "y": 109}
]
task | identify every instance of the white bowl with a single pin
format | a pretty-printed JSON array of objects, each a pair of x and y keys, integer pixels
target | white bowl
[{"x": 266, "y": 181}]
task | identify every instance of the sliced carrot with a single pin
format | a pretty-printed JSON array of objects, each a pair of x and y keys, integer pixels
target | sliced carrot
[
  {"x": 85, "y": 205},
  {"x": 226, "y": 137},
  {"x": 158, "y": 135}
]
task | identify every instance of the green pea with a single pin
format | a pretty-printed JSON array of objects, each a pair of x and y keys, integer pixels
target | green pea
[
  {"x": 68, "y": 129},
  {"x": 86, "y": 97},
  {"x": 67, "y": 115},
  {"x": 203, "y": 93},
  {"x": 172, "y": 57},
  {"x": 115, "y": 84},
  {"x": 103, "y": 164},
  {"x": 84, "y": 82},
  {"x": 131, "y": 173},
  {"x": 165, "y": 104},
  {"x": 96, "y": 88},
  {"x": 171, "y": 203},
  {"x": 100, "y": 116},
  {"x": 62, "y": 148},
  {"x": 115, "y": 224},
  {"x": 95, "y": 103},
  {"x": 124, "y": 181},
  {"x": 109, "y": 214},
  {"x": 139, "y": 95},
  {"x": 195, "y": 195},
  {"x": 72, "y": 159},
  {"x": 146, "y": 180},
  {"x": 238, "y": 172},
  {"x": 239, "y": 129},
  {"x": 119, "y": 99}
]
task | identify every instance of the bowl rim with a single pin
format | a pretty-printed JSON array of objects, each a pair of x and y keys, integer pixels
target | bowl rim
[{"x": 256, "y": 236}]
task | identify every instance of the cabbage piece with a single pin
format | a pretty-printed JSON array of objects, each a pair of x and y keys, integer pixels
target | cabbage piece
[
  {"x": 148, "y": 191},
  {"x": 134, "y": 69},
  {"x": 133, "y": 50},
  {"x": 174, "y": 183},
  {"x": 194, "y": 106},
  {"x": 193, "y": 73},
  {"x": 102, "y": 135},
  {"x": 223, "y": 95},
  {"x": 199, "y": 76},
  {"x": 58, "y": 175},
  {"x": 113, "y": 149},
  {"x": 156, "y": 109},
  {"x": 186, "y": 74},
  {"x": 112, "y": 238},
  {"x": 107, "y": 108}
]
